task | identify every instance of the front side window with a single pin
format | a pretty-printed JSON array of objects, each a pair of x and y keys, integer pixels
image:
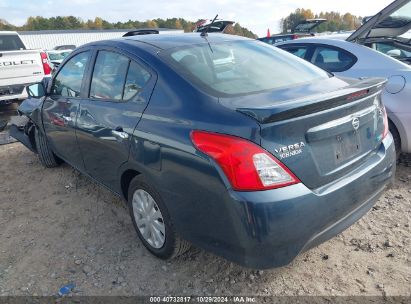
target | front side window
[
  {"x": 299, "y": 51},
  {"x": 393, "y": 50},
  {"x": 241, "y": 67},
  {"x": 333, "y": 59},
  {"x": 68, "y": 81},
  {"x": 266, "y": 40},
  {"x": 109, "y": 76}
]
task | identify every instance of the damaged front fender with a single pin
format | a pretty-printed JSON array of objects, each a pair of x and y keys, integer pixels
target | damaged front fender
[
  {"x": 31, "y": 108},
  {"x": 22, "y": 126}
]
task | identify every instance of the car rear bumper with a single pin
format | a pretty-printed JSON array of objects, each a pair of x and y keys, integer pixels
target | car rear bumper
[
  {"x": 14, "y": 92},
  {"x": 270, "y": 228}
]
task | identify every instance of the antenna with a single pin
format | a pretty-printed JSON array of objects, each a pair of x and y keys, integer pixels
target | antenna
[{"x": 207, "y": 27}]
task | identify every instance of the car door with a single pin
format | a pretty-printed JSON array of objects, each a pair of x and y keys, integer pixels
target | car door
[
  {"x": 118, "y": 93},
  {"x": 61, "y": 106}
]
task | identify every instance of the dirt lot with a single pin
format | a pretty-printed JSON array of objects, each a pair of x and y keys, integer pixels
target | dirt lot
[{"x": 57, "y": 227}]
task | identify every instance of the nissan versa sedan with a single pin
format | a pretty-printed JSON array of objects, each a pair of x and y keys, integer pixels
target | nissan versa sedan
[{"x": 216, "y": 140}]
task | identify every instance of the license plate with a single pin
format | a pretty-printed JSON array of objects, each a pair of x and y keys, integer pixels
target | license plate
[{"x": 347, "y": 146}]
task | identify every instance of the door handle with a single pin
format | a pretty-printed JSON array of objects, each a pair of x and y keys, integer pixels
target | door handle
[
  {"x": 67, "y": 118},
  {"x": 119, "y": 132}
]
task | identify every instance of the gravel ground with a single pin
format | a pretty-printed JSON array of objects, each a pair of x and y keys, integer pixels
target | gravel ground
[
  {"x": 6, "y": 111},
  {"x": 57, "y": 227}
]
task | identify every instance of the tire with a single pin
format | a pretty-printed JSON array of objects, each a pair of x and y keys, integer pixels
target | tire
[
  {"x": 46, "y": 156},
  {"x": 172, "y": 245},
  {"x": 397, "y": 139}
]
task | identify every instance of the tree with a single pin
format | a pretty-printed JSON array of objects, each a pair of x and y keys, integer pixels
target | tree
[
  {"x": 71, "y": 22},
  {"x": 178, "y": 25},
  {"x": 150, "y": 24},
  {"x": 335, "y": 21},
  {"x": 98, "y": 23},
  {"x": 292, "y": 20}
]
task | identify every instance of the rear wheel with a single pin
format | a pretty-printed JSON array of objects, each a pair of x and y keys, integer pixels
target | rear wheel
[
  {"x": 397, "y": 139},
  {"x": 152, "y": 221},
  {"x": 46, "y": 155}
]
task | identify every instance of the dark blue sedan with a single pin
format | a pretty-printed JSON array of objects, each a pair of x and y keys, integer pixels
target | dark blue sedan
[{"x": 220, "y": 141}]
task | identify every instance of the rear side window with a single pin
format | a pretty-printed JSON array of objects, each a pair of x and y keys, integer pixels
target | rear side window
[
  {"x": 241, "y": 67},
  {"x": 109, "y": 76},
  {"x": 11, "y": 43},
  {"x": 68, "y": 81},
  {"x": 333, "y": 59},
  {"x": 137, "y": 77}
]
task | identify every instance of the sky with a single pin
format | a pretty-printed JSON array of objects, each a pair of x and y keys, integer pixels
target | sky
[{"x": 257, "y": 16}]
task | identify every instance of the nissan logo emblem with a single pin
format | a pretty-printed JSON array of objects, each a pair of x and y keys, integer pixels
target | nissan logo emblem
[{"x": 356, "y": 123}]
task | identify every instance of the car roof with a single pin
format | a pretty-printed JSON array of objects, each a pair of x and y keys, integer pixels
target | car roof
[
  {"x": 167, "y": 41},
  {"x": 318, "y": 40},
  {"x": 8, "y": 33}
]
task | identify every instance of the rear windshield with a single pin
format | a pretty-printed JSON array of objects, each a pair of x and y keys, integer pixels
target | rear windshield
[
  {"x": 242, "y": 67},
  {"x": 11, "y": 43}
]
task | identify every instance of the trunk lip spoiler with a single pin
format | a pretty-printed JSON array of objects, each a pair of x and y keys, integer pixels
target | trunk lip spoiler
[{"x": 286, "y": 109}]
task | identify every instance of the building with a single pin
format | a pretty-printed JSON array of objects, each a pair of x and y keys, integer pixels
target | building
[{"x": 47, "y": 40}]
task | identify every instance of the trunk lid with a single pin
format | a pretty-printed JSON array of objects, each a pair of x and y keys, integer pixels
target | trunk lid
[
  {"x": 320, "y": 137},
  {"x": 306, "y": 26},
  {"x": 393, "y": 21},
  {"x": 18, "y": 65},
  {"x": 218, "y": 26}
]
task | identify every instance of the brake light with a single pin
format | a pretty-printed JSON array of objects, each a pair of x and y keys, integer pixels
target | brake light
[
  {"x": 358, "y": 95},
  {"x": 386, "y": 125},
  {"x": 247, "y": 166},
  {"x": 45, "y": 62}
]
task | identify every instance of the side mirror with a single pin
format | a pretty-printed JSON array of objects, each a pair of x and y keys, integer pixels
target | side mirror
[
  {"x": 36, "y": 90},
  {"x": 394, "y": 53}
]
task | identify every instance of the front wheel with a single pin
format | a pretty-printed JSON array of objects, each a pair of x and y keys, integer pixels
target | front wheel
[
  {"x": 46, "y": 155},
  {"x": 152, "y": 221}
]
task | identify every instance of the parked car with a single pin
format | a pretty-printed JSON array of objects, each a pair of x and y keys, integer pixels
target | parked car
[
  {"x": 64, "y": 47},
  {"x": 213, "y": 26},
  {"x": 303, "y": 29},
  {"x": 255, "y": 159},
  {"x": 387, "y": 31},
  {"x": 348, "y": 59},
  {"x": 19, "y": 67},
  {"x": 57, "y": 57}
]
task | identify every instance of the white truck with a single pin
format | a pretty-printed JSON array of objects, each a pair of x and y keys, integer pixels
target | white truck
[{"x": 19, "y": 67}]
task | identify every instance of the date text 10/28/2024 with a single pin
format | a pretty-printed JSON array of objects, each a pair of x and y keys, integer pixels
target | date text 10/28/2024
[{"x": 202, "y": 299}]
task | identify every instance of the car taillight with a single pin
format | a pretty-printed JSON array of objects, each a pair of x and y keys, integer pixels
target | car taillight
[
  {"x": 386, "y": 125},
  {"x": 45, "y": 62},
  {"x": 247, "y": 166}
]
